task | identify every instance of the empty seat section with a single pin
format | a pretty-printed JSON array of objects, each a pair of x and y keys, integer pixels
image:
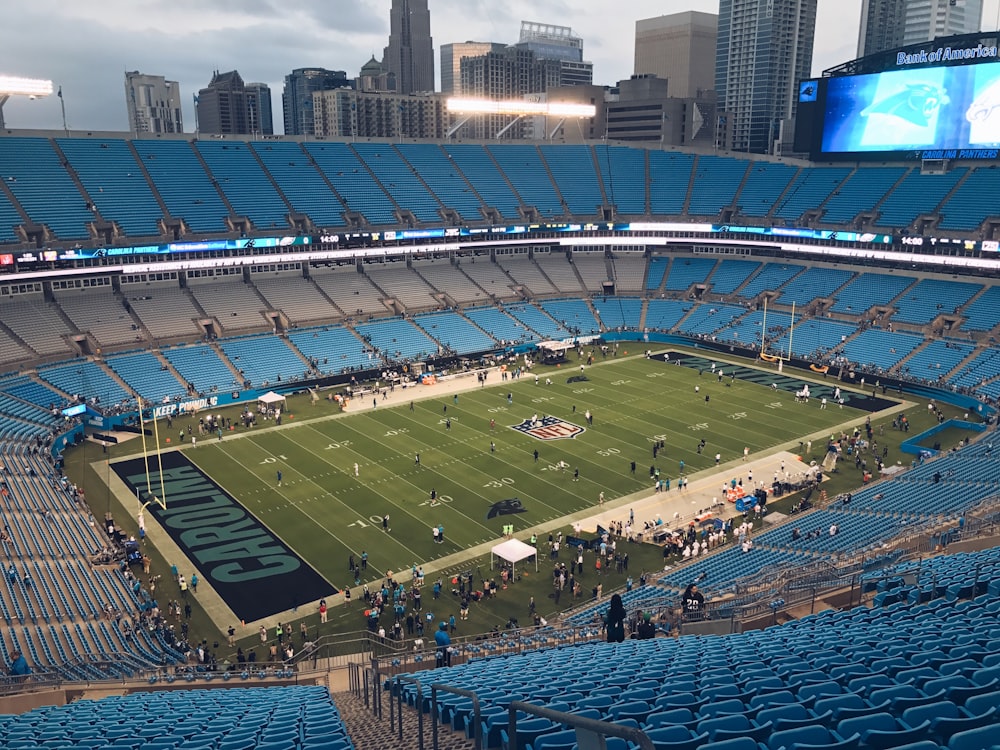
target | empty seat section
[
  {"x": 264, "y": 360},
  {"x": 87, "y": 380},
  {"x": 404, "y": 285},
  {"x": 229, "y": 300},
  {"x": 560, "y": 272},
  {"x": 33, "y": 172},
  {"x": 809, "y": 190},
  {"x": 397, "y": 339},
  {"x": 814, "y": 337},
  {"x": 630, "y": 272},
  {"x": 399, "y": 180},
  {"x": 489, "y": 276},
  {"x": 917, "y": 194},
  {"x": 669, "y": 177},
  {"x": 524, "y": 271},
  {"x": 620, "y": 165},
  {"x": 664, "y": 314},
  {"x": 441, "y": 275},
  {"x": 199, "y": 364},
  {"x": 444, "y": 179},
  {"x": 706, "y": 319},
  {"x": 333, "y": 349},
  {"x": 878, "y": 348},
  {"x": 929, "y": 298},
  {"x": 868, "y": 290},
  {"x": 983, "y": 313},
  {"x": 100, "y": 312},
  {"x": 241, "y": 178},
  {"x": 349, "y": 290},
  {"x": 164, "y": 308},
  {"x": 814, "y": 283},
  {"x": 687, "y": 271},
  {"x": 572, "y": 168},
  {"x": 353, "y": 182},
  {"x": 300, "y": 182},
  {"x": 770, "y": 278},
  {"x": 934, "y": 361},
  {"x": 37, "y": 323},
  {"x": 538, "y": 321},
  {"x": 182, "y": 183},
  {"x": 764, "y": 184},
  {"x": 572, "y": 314},
  {"x": 716, "y": 180},
  {"x": 480, "y": 171},
  {"x": 524, "y": 168},
  {"x": 115, "y": 183},
  {"x": 297, "y": 297},
  {"x": 500, "y": 325},
  {"x": 972, "y": 201},
  {"x": 860, "y": 193},
  {"x": 657, "y": 270},
  {"x": 729, "y": 275},
  {"x": 454, "y": 332},
  {"x": 593, "y": 269},
  {"x": 147, "y": 376},
  {"x": 619, "y": 312},
  {"x": 9, "y": 218}
]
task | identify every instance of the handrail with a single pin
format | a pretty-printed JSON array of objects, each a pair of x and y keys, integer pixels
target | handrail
[
  {"x": 476, "y": 714},
  {"x": 590, "y": 733},
  {"x": 420, "y": 708}
]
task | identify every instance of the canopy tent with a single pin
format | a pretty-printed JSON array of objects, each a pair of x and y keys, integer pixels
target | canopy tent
[
  {"x": 513, "y": 551},
  {"x": 270, "y": 401}
]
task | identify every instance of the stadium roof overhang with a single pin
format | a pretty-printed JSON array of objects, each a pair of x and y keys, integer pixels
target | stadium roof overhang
[{"x": 887, "y": 59}]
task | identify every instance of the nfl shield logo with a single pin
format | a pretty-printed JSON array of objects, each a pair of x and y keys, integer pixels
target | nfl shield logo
[{"x": 548, "y": 428}]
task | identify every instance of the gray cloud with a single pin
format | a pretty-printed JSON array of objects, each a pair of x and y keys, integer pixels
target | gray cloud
[{"x": 87, "y": 47}]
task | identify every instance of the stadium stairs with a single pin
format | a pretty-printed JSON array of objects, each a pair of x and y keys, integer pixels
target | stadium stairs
[{"x": 368, "y": 731}]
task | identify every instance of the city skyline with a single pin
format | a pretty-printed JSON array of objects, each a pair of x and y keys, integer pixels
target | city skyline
[{"x": 88, "y": 50}]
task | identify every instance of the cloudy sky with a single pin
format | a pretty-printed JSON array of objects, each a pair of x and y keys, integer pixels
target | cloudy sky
[{"x": 87, "y": 47}]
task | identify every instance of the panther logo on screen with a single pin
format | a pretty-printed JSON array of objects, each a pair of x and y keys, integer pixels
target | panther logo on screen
[{"x": 917, "y": 103}]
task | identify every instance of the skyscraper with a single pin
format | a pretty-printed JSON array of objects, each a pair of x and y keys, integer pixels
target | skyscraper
[
  {"x": 550, "y": 42},
  {"x": 679, "y": 47},
  {"x": 153, "y": 104},
  {"x": 228, "y": 106},
  {"x": 451, "y": 62},
  {"x": 297, "y": 96},
  {"x": 410, "y": 53},
  {"x": 260, "y": 117},
  {"x": 764, "y": 49},
  {"x": 887, "y": 24}
]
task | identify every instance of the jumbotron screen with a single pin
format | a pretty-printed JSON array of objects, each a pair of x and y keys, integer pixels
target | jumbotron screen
[{"x": 927, "y": 111}]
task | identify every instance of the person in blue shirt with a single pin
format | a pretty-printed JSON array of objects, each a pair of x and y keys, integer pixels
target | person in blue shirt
[
  {"x": 443, "y": 642},
  {"x": 19, "y": 665}
]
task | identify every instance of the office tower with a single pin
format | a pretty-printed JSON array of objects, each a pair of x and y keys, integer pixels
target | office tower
[
  {"x": 925, "y": 20},
  {"x": 153, "y": 104},
  {"x": 228, "y": 106},
  {"x": 550, "y": 42},
  {"x": 451, "y": 62},
  {"x": 410, "y": 53},
  {"x": 297, "y": 96},
  {"x": 259, "y": 116},
  {"x": 888, "y": 24},
  {"x": 348, "y": 113},
  {"x": 509, "y": 73},
  {"x": 679, "y": 47},
  {"x": 764, "y": 49}
]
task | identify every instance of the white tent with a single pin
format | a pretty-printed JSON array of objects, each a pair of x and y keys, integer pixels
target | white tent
[
  {"x": 513, "y": 551},
  {"x": 270, "y": 401}
]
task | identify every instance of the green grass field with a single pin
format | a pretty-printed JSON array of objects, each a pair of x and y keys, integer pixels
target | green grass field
[{"x": 326, "y": 513}]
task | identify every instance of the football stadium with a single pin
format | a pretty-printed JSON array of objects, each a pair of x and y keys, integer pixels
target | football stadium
[{"x": 330, "y": 444}]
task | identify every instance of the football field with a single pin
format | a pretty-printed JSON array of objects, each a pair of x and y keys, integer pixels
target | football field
[{"x": 466, "y": 461}]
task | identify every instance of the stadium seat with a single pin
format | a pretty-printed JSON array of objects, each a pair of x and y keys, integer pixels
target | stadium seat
[{"x": 881, "y": 730}]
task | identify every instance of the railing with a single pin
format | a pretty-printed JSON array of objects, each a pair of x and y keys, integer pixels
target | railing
[{"x": 590, "y": 733}]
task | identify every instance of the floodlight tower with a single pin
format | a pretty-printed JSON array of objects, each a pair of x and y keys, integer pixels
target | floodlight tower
[{"x": 29, "y": 87}]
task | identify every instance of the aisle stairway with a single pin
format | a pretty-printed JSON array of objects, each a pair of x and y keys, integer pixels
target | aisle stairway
[{"x": 368, "y": 731}]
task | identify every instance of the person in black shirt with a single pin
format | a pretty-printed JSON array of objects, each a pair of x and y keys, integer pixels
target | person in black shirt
[{"x": 693, "y": 601}]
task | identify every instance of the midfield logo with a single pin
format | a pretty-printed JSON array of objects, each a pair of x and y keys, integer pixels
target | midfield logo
[{"x": 549, "y": 428}]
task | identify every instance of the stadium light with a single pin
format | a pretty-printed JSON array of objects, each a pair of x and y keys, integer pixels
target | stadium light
[
  {"x": 30, "y": 87},
  {"x": 519, "y": 107}
]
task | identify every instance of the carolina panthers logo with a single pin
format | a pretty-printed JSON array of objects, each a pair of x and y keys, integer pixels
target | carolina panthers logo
[
  {"x": 548, "y": 428},
  {"x": 506, "y": 507}
]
